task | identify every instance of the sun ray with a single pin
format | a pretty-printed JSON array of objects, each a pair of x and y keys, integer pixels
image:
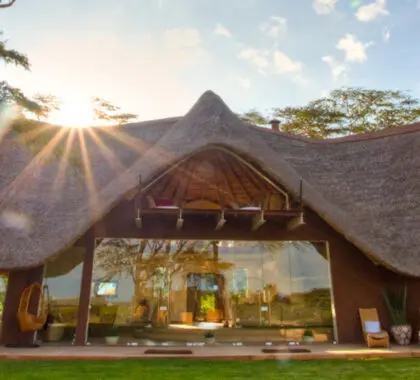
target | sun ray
[
  {"x": 34, "y": 133},
  {"x": 37, "y": 161},
  {"x": 139, "y": 145},
  {"x": 107, "y": 153},
  {"x": 6, "y": 120},
  {"x": 64, "y": 161},
  {"x": 131, "y": 142},
  {"x": 93, "y": 195}
]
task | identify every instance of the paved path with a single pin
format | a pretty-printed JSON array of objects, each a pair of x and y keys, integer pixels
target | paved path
[{"x": 318, "y": 352}]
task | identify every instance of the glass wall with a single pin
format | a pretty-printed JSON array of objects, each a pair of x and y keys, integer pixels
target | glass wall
[
  {"x": 62, "y": 280},
  {"x": 173, "y": 292},
  {"x": 3, "y": 288}
]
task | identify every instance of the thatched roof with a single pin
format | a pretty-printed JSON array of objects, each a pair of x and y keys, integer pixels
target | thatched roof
[{"x": 365, "y": 187}]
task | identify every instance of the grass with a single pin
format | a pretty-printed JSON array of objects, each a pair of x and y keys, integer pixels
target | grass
[{"x": 175, "y": 369}]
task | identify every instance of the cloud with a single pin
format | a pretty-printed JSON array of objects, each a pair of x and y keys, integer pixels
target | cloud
[
  {"x": 256, "y": 57},
  {"x": 220, "y": 30},
  {"x": 386, "y": 34},
  {"x": 337, "y": 69},
  {"x": 184, "y": 45},
  {"x": 324, "y": 7},
  {"x": 355, "y": 51},
  {"x": 273, "y": 62},
  {"x": 275, "y": 27},
  {"x": 244, "y": 82},
  {"x": 371, "y": 11},
  {"x": 285, "y": 65}
]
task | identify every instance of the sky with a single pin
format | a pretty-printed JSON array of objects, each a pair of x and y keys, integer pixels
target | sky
[{"x": 156, "y": 57}]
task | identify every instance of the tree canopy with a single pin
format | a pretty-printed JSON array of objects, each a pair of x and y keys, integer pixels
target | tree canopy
[
  {"x": 105, "y": 110},
  {"x": 9, "y": 94},
  {"x": 345, "y": 111},
  {"x": 6, "y": 3}
]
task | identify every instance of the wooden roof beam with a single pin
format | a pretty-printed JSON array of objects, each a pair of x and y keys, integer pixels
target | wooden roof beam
[
  {"x": 183, "y": 183},
  {"x": 223, "y": 167},
  {"x": 229, "y": 169}
]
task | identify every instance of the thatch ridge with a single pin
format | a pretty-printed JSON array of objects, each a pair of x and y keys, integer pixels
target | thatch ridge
[
  {"x": 409, "y": 128},
  {"x": 366, "y": 189}
]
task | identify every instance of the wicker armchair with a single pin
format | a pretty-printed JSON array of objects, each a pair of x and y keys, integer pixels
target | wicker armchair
[{"x": 374, "y": 335}]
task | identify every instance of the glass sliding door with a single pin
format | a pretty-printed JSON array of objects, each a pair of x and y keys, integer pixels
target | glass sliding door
[{"x": 161, "y": 292}]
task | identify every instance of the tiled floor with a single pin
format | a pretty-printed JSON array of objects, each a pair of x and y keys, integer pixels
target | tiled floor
[{"x": 318, "y": 352}]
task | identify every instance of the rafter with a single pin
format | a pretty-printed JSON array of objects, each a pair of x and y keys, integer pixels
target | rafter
[
  {"x": 184, "y": 180},
  {"x": 256, "y": 182},
  {"x": 227, "y": 187},
  {"x": 229, "y": 169}
]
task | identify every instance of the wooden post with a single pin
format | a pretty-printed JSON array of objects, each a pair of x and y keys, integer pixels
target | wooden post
[
  {"x": 85, "y": 289},
  {"x": 18, "y": 281}
]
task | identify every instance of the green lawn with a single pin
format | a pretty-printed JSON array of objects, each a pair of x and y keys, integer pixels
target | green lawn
[{"x": 173, "y": 369}]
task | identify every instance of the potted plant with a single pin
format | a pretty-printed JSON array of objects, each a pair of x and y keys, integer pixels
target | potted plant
[
  {"x": 307, "y": 336},
  {"x": 396, "y": 302},
  {"x": 209, "y": 337},
  {"x": 112, "y": 335}
]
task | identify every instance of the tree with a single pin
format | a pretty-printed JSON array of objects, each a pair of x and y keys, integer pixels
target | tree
[
  {"x": 254, "y": 117},
  {"x": 47, "y": 104},
  {"x": 143, "y": 260},
  {"x": 6, "y": 3},
  {"x": 11, "y": 95},
  {"x": 346, "y": 111},
  {"x": 105, "y": 110}
]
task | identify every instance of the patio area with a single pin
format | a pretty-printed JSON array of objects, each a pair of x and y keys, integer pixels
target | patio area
[{"x": 223, "y": 352}]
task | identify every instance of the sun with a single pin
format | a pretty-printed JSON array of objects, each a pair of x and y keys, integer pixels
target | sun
[{"x": 74, "y": 114}]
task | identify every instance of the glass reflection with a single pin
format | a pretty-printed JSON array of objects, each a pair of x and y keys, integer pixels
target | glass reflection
[
  {"x": 3, "y": 288},
  {"x": 171, "y": 292},
  {"x": 63, "y": 280}
]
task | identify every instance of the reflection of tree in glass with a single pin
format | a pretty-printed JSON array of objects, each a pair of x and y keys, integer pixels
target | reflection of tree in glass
[
  {"x": 144, "y": 259},
  {"x": 3, "y": 287}
]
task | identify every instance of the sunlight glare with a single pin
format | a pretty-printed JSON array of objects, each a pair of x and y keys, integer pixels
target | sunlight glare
[{"x": 73, "y": 114}]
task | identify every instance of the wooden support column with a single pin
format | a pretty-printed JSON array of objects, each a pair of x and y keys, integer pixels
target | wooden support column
[
  {"x": 85, "y": 289},
  {"x": 17, "y": 282}
]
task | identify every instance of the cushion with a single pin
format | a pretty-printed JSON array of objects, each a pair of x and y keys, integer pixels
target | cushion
[{"x": 372, "y": 327}]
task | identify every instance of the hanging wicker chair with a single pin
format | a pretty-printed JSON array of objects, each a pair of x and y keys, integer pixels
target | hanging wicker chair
[{"x": 27, "y": 320}]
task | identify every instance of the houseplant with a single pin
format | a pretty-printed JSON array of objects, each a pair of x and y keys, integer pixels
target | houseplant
[
  {"x": 209, "y": 337},
  {"x": 112, "y": 335},
  {"x": 396, "y": 302},
  {"x": 308, "y": 336}
]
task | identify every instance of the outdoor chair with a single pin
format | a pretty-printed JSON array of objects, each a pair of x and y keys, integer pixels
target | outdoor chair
[{"x": 374, "y": 335}]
